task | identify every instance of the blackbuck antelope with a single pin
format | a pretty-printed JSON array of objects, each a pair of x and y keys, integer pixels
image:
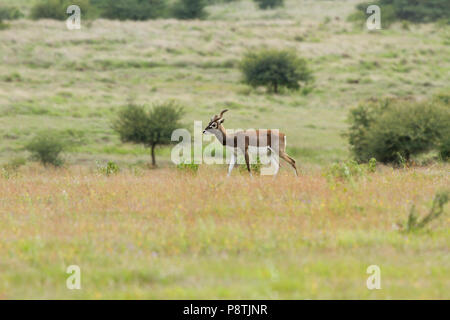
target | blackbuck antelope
[{"x": 254, "y": 141}]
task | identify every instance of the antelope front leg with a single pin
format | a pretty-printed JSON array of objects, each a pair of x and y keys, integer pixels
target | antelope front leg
[
  {"x": 232, "y": 163},
  {"x": 247, "y": 161}
]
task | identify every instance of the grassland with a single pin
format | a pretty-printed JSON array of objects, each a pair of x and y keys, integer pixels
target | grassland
[{"x": 167, "y": 234}]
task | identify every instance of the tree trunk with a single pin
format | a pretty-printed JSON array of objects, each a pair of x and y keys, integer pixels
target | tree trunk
[{"x": 153, "y": 155}]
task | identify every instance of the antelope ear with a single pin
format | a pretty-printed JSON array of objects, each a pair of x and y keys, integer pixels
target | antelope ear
[{"x": 221, "y": 121}]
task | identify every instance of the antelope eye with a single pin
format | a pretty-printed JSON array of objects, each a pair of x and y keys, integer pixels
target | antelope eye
[{"x": 214, "y": 125}]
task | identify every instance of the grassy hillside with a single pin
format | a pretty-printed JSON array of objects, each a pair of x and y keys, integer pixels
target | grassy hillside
[{"x": 75, "y": 80}]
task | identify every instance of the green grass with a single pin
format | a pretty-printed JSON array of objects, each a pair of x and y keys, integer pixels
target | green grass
[{"x": 169, "y": 234}]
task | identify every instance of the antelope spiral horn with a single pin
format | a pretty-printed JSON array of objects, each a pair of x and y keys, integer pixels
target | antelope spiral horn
[{"x": 223, "y": 111}]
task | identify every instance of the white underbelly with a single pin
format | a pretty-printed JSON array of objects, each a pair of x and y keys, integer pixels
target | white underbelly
[{"x": 252, "y": 150}]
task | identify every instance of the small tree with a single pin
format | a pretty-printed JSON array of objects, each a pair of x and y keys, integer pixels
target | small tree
[
  {"x": 10, "y": 13},
  {"x": 189, "y": 9},
  {"x": 46, "y": 147},
  {"x": 151, "y": 128},
  {"x": 266, "y": 4},
  {"x": 274, "y": 69}
]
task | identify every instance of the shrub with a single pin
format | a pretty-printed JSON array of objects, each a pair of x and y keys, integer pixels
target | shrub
[
  {"x": 10, "y": 13},
  {"x": 266, "y": 4},
  {"x": 275, "y": 69},
  {"x": 408, "y": 10},
  {"x": 56, "y": 9},
  {"x": 133, "y": 9},
  {"x": 110, "y": 168},
  {"x": 417, "y": 10},
  {"x": 189, "y": 9},
  {"x": 360, "y": 16},
  {"x": 393, "y": 131},
  {"x": 46, "y": 148},
  {"x": 151, "y": 128}
]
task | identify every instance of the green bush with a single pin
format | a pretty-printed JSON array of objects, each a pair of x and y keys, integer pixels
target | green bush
[
  {"x": 418, "y": 10},
  {"x": 57, "y": 9},
  {"x": 405, "y": 10},
  {"x": 266, "y": 4},
  {"x": 46, "y": 147},
  {"x": 275, "y": 69},
  {"x": 189, "y": 9},
  {"x": 10, "y": 13},
  {"x": 132, "y": 9},
  {"x": 392, "y": 131}
]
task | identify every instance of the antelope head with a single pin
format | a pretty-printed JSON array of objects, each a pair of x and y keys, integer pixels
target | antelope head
[{"x": 215, "y": 122}]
